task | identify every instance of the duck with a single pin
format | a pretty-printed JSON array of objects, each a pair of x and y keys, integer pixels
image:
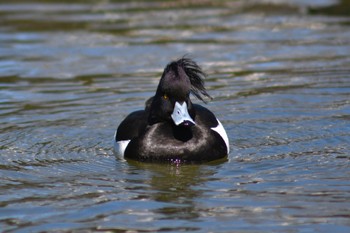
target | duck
[{"x": 171, "y": 128}]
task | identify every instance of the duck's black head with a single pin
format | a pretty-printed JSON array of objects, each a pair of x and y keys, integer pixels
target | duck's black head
[{"x": 172, "y": 100}]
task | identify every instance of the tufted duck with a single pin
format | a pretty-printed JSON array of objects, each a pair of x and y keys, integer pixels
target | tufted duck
[{"x": 172, "y": 128}]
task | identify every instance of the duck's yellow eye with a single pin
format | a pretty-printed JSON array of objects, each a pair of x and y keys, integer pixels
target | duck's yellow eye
[{"x": 165, "y": 96}]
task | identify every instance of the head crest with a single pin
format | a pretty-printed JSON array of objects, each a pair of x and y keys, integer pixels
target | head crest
[{"x": 195, "y": 75}]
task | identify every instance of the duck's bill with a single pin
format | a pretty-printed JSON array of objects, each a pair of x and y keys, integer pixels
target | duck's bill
[{"x": 181, "y": 116}]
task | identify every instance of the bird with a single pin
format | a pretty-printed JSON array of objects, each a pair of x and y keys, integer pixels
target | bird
[{"x": 171, "y": 128}]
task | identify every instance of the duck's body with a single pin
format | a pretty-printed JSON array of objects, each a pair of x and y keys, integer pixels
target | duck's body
[{"x": 171, "y": 128}]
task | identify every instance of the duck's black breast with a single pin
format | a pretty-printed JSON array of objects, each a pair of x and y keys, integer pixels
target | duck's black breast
[{"x": 166, "y": 142}]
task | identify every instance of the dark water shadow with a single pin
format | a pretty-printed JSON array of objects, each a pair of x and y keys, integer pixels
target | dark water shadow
[{"x": 342, "y": 8}]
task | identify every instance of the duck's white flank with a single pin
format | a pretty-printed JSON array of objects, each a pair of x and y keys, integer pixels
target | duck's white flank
[
  {"x": 221, "y": 131},
  {"x": 120, "y": 146}
]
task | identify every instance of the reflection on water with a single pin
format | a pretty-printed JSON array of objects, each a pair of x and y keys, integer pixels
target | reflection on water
[{"x": 279, "y": 75}]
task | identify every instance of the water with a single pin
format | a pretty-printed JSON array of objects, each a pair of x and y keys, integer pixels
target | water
[{"x": 279, "y": 75}]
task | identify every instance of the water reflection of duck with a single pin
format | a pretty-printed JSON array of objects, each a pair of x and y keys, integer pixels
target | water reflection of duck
[
  {"x": 177, "y": 189},
  {"x": 172, "y": 128}
]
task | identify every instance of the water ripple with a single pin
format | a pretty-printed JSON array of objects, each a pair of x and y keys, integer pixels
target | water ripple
[{"x": 278, "y": 72}]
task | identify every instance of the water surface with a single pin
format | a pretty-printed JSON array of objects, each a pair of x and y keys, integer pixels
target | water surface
[{"x": 278, "y": 72}]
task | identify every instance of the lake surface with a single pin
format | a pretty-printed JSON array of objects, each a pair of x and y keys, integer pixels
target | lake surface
[{"x": 279, "y": 75}]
